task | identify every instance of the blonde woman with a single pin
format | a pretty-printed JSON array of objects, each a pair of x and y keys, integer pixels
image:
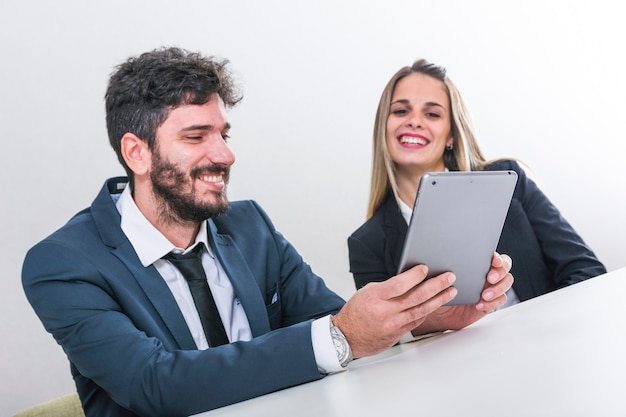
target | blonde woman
[{"x": 422, "y": 125}]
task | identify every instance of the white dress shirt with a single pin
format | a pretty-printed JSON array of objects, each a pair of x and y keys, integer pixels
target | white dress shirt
[{"x": 150, "y": 246}]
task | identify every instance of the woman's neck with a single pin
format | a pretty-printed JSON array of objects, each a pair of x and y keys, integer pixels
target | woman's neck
[
  {"x": 407, "y": 189},
  {"x": 408, "y": 181}
]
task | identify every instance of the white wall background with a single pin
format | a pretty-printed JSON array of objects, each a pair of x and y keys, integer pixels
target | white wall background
[{"x": 543, "y": 78}]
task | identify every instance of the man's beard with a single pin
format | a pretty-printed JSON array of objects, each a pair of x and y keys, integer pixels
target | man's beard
[{"x": 174, "y": 191}]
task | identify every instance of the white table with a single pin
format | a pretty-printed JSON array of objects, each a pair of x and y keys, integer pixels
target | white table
[{"x": 562, "y": 354}]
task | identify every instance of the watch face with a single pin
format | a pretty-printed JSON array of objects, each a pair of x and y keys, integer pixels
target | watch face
[{"x": 341, "y": 349}]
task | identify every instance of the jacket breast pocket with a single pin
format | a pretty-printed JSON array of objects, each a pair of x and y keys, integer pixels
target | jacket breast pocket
[{"x": 273, "y": 309}]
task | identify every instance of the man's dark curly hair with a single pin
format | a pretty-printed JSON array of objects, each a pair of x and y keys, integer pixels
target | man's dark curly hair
[{"x": 144, "y": 89}]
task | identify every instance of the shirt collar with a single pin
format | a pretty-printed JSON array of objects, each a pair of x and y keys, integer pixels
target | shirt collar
[
  {"x": 405, "y": 210},
  {"x": 148, "y": 242}
]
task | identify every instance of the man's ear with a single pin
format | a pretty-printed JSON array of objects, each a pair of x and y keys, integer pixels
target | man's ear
[{"x": 136, "y": 153}]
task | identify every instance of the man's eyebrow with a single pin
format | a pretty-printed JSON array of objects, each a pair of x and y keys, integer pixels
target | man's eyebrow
[{"x": 203, "y": 127}]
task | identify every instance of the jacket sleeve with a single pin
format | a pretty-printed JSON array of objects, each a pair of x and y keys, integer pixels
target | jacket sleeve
[
  {"x": 564, "y": 252},
  {"x": 368, "y": 254}
]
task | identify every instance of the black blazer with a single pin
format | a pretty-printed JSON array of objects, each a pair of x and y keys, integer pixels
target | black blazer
[{"x": 547, "y": 252}]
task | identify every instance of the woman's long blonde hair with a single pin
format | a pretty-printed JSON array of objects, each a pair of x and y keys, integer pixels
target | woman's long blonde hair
[{"x": 464, "y": 156}]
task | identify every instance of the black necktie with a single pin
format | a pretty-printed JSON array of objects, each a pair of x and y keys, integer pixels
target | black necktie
[{"x": 191, "y": 268}]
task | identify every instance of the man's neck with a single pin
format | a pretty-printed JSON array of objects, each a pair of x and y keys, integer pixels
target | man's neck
[{"x": 181, "y": 233}]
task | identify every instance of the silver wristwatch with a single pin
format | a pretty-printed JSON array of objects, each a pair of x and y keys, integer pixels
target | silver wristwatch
[{"x": 344, "y": 353}]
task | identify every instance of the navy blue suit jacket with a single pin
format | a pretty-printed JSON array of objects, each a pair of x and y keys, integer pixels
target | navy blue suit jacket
[
  {"x": 547, "y": 252},
  {"x": 129, "y": 347}
]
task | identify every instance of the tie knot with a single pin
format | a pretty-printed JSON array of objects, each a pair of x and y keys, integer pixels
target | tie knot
[
  {"x": 189, "y": 264},
  {"x": 194, "y": 253}
]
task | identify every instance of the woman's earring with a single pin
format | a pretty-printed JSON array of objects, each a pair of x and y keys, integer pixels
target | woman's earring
[{"x": 449, "y": 147}]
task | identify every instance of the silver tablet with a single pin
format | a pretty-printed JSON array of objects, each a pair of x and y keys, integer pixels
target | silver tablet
[{"x": 456, "y": 224}]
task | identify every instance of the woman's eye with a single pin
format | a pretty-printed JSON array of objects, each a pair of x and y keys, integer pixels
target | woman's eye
[
  {"x": 399, "y": 112},
  {"x": 433, "y": 115}
]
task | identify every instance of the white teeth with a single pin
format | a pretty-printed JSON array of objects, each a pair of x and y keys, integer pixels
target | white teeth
[
  {"x": 412, "y": 140},
  {"x": 211, "y": 178}
]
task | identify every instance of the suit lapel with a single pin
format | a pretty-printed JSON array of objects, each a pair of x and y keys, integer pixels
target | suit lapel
[
  {"x": 395, "y": 229},
  {"x": 107, "y": 220},
  {"x": 159, "y": 294},
  {"x": 242, "y": 279}
]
